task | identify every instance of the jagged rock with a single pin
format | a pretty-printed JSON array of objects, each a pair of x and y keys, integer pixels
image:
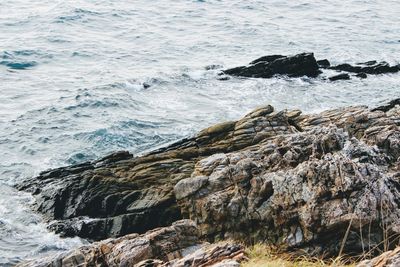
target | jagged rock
[
  {"x": 370, "y": 67},
  {"x": 174, "y": 246},
  {"x": 306, "y": 65},
  {"x": 387, "y": 259},
  {"x": 268, "y": 66},
  {"x": 121, "y": 194},
  {"x": 305, "y": 189},
  {"x": 282, "y": 177},
  {"x": 342, "y": 76}
]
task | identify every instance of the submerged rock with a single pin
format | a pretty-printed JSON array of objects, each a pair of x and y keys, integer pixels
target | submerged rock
[
  {"x": 268, "y": 66},
  {"x": 361, "y": 75},
  {"x": 342, "y": 76},
  {"x": 281, "y": 177}
]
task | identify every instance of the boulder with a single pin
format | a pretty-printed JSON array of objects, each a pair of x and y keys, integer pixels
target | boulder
[
  {"x": 323, "y": 63},
  {"x": 268, "y": 66}
]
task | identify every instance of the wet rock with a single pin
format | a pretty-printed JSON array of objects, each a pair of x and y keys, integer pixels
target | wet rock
[
  {"x": 177, "y": 245},
  {"x": 293, "y": 179},
  {"x": 323, "y": 63},
  {"x": 370, "y": 67},
  {"x": 361, "y": 75},
  {"x": 268, "y": 66},
  {"x": 342, "y": 76},
  {"x": 388, "y": 106},
  {"x": 122, "y": 194}
]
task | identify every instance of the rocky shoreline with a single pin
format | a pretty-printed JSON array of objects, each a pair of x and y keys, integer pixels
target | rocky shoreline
[
  {"x": 325, "y": 184},
  {"x": 305, "y": 64}
]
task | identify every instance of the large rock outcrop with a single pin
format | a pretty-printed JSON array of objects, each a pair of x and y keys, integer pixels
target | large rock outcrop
[
  {"x": 306, "y": 65},
  {"x": 174, "y": 246},
  {"x": 121, "y": 194},
  {"x": 332, "y": 187},
  {"x": 326, "y": 182}
]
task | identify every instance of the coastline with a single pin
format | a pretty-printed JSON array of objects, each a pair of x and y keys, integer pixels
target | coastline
[{"x": 230, "y": 180}]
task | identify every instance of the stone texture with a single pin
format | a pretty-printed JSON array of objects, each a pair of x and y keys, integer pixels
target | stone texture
[
  {"x": 122, "y": 194},
  {"x": 303, "y": 189},
  {"x": 293, "y": 179},
  {"x": 174, "y": 246}
]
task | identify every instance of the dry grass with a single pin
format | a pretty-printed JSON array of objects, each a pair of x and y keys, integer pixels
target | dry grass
[{"x": 266, "y": 256}]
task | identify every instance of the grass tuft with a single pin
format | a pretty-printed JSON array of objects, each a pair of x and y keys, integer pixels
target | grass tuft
[{"x": 261, "y": 255}]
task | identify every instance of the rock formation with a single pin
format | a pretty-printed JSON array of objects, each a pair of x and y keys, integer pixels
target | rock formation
[
  {"x": 370, "y": 67},
  {"x": 306, "y": 65},
  {"x": 174, "y": 246},
  {"x": 327, "y": 183},
  {"x": 268, "y": 66}
]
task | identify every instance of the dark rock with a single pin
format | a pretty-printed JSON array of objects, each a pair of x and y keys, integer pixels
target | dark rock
[
  {"x": 368, "y": 63},
  {"x": 323, "y": 63},
  {"x": 361, "y": 75},
  {"x": 268, "y": 59},
  {"x": 389, "y": 106},
  {"x": 370, "y": 67},
  {"x": 268, "y": 66},
  {"x": 146, "y": 85},
  {"x": 342, "y": 76}
]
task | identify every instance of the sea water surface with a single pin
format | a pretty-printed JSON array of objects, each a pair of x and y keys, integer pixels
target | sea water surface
[{"x": 72, "y": 76}]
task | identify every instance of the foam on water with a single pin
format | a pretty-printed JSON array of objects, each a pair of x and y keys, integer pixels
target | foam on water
[{"x": 80, "y": 79}]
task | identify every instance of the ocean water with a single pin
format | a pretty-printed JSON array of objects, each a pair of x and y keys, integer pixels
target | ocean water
[{"x": 72, "y": 76}]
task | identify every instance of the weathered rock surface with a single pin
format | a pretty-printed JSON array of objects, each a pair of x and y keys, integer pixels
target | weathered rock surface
[
  {"x": 174, "y": 246},
  {"x": 280, "y": 177},
  {"x": 306, "y": 65},
  {"x": 387, "y": 259},
  {"x": 268, "y": 66},
  {"x": 121, "y": 194},
  {"x": 305, "y": 189}
]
